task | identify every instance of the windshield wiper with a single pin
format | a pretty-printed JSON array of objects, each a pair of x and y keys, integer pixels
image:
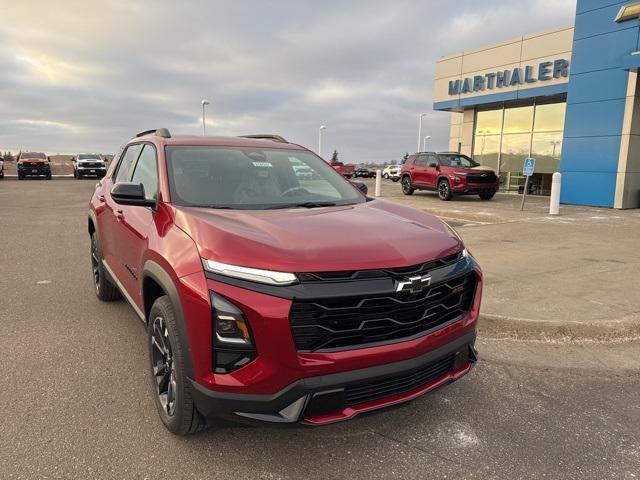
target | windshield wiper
[
  {"x": 302, "y": 205},
  {"x": 219, "y": 207}
]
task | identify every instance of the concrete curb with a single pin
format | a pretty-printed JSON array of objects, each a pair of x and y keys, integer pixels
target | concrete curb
[{"x": 601, "y": 331}]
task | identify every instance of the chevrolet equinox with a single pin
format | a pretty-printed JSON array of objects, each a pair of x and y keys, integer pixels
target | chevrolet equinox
[{"x": 270, "y": 296}]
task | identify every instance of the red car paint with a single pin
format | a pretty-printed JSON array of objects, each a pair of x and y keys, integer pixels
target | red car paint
[
  {"x": 366, "y": 236},
  {"x": 427, "y": 170},
  {"x": 345, "y": 170}
]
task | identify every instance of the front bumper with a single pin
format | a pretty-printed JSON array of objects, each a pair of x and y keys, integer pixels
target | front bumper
[
  {"x": 41, "y": 169},
  {"x": 325, "y": 399},
  {"x": 91, "y": 170}
]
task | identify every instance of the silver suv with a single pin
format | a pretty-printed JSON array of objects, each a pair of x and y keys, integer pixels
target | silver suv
[{"x": 89, "y": 164}]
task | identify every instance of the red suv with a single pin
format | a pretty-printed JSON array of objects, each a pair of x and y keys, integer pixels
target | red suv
[
  {"x": 449, "y": 174},
  {"x": 274, "y": 297}
]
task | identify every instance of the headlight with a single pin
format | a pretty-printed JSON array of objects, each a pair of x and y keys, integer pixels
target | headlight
[
  {"x": 269, "y": 277},
  {"x": 230, "y": 324}
]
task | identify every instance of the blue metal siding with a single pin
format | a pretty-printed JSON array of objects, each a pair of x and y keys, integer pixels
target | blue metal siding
[
  {"x": 598, "y": 86},
  {"x": 591, "y": 23},
  {"x": 590, "y": 154},
  {"x": 595, "y": 103}
]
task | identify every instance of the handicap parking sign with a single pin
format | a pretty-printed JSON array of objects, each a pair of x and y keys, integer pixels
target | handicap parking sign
[{"x": 529, "y": 166}]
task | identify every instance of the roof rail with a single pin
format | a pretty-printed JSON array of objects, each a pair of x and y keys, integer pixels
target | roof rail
[
  {"x": 266, "y": 136},
  {"x": 158, "y": 132}
]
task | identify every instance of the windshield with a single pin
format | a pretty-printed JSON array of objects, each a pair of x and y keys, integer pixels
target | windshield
[
  {"x": 456, "y": 160},
  {"x": 254, "y": 179},
  {"x": 88, "y": 156},
  {"x": 33, "y": 155}
]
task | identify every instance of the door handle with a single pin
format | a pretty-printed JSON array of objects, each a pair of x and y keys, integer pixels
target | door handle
[
  {"x": 101, "y": 198},
  {"x": 119, "y": 215}
]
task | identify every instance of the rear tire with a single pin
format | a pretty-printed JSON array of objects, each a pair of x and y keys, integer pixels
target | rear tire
[
  {"x": 20, "y": 176},
  {"x": 171, "y": 387},
  {"x": 386, "y": 175},
  {"x": 407, "y": 188},
  {"x": 105, "y": 290},
  {"x": 486, "y": 196},
  {"x": 395, "y": 179},
  {"x": 48, "y": 177},
  {"x": 444, "y": 190}
]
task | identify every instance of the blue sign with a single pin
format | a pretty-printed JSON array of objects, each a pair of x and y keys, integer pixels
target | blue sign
[
  {"x": 510, "y": 78},
  {"x": 529, "y": 166}
]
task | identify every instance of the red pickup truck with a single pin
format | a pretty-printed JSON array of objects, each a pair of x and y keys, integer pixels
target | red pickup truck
[{"x": 347, "y": 171}]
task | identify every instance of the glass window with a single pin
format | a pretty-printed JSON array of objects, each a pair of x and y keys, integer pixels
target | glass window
[
  {"x": 456, "y": 160},
  {"x": 550, "y": 117},
  {"x": 517, "y": 120},
  {"x": 486, "y": 150},
  {"x": 515, "y": 148},
  {"x": 489, "y": 122},
  {"x": 122, "y": 175},
  {"x": 146, "y": 172},
  {"x": 254, "y": 179},
  {"x": 546, "y": 149},
  {"x": 421, "y": 161}
]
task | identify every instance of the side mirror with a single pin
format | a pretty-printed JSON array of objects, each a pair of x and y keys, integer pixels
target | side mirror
[
  {"x": 361, "y": 186},
  {"x": 125, "y": 193},
  {"x": 48, "y": 159}
]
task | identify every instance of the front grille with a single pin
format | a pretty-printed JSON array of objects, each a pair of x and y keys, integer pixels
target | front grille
[
  {"x": 91, "y": 165},
  {"x": 35, "y": 165},
  {"x": 383, "y": 273},
  {"x": 481, "y": 178},
  {"x": 358, "y": 321},
  {"x": 369, "y": 391}
]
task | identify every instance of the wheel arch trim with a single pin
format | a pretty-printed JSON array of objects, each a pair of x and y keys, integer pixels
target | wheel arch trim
[{"x": 159, "y": 275}]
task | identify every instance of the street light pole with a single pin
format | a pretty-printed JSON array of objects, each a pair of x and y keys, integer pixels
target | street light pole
[
  {"x": 322, "y": 127},
  {"x": 420, "y": 129},
  {"x": 424, "y": 148},
  {"x": 204, "y": 128}
]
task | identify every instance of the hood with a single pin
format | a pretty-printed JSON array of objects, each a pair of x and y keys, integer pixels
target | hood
[
  {"x": 375, "y": 234},
  {"x": 483, "y": 169}
]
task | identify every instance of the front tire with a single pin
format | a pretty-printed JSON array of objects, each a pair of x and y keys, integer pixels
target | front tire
[
  {"x": 486, "y": 196},
  {"x": 395, "y": 179},
  {"x": 48, "y": 177},
  {"x": 171, "y": 387},
  {"x": 407, "y": 188},
  {"x": 20, "y": 176},
  {"x": 444, "y": 190},
  {"x": 105, "y": 290}
]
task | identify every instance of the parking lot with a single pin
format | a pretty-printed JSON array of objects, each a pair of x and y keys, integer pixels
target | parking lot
[{"x": 77, "y": 403}]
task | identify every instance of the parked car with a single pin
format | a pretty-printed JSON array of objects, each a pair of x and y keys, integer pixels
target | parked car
[
  {"x": 448, "y": 174},
  {"x": 1, "y": 167},
  {"x": 345, "y": 170},
  {"x": 33, "y": 164},
  {"x": 257, "y": 308},
  {"x": 392, "y": 172},
  {"x": 364, "y": 172},
  {"x": 88, "y": 164}
]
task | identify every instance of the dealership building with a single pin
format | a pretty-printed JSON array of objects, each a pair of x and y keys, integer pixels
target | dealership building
[{"x": 568, "y": 97}]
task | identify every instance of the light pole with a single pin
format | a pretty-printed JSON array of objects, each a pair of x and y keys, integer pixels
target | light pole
[
  {"x": 420, "y": 128},
  {"x": 424, "y": 148},
  {"x": 322, "y": 127},
  {"x": 204, "y": 128}
]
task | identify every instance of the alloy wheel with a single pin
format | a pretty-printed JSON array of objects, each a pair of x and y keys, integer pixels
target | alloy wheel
[
  {"x": 443, "y": 190},
  {"x": 95, "y": 263},
  {"x": 164, "y": 371},
  {"x": 406, "y": 185}
]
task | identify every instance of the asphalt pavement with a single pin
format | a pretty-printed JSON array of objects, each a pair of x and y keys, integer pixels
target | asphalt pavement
[{"x": 76, "y": 401}]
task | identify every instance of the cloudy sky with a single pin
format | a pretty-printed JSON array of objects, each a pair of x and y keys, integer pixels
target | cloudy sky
[{"x": 85, "y": 76}]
